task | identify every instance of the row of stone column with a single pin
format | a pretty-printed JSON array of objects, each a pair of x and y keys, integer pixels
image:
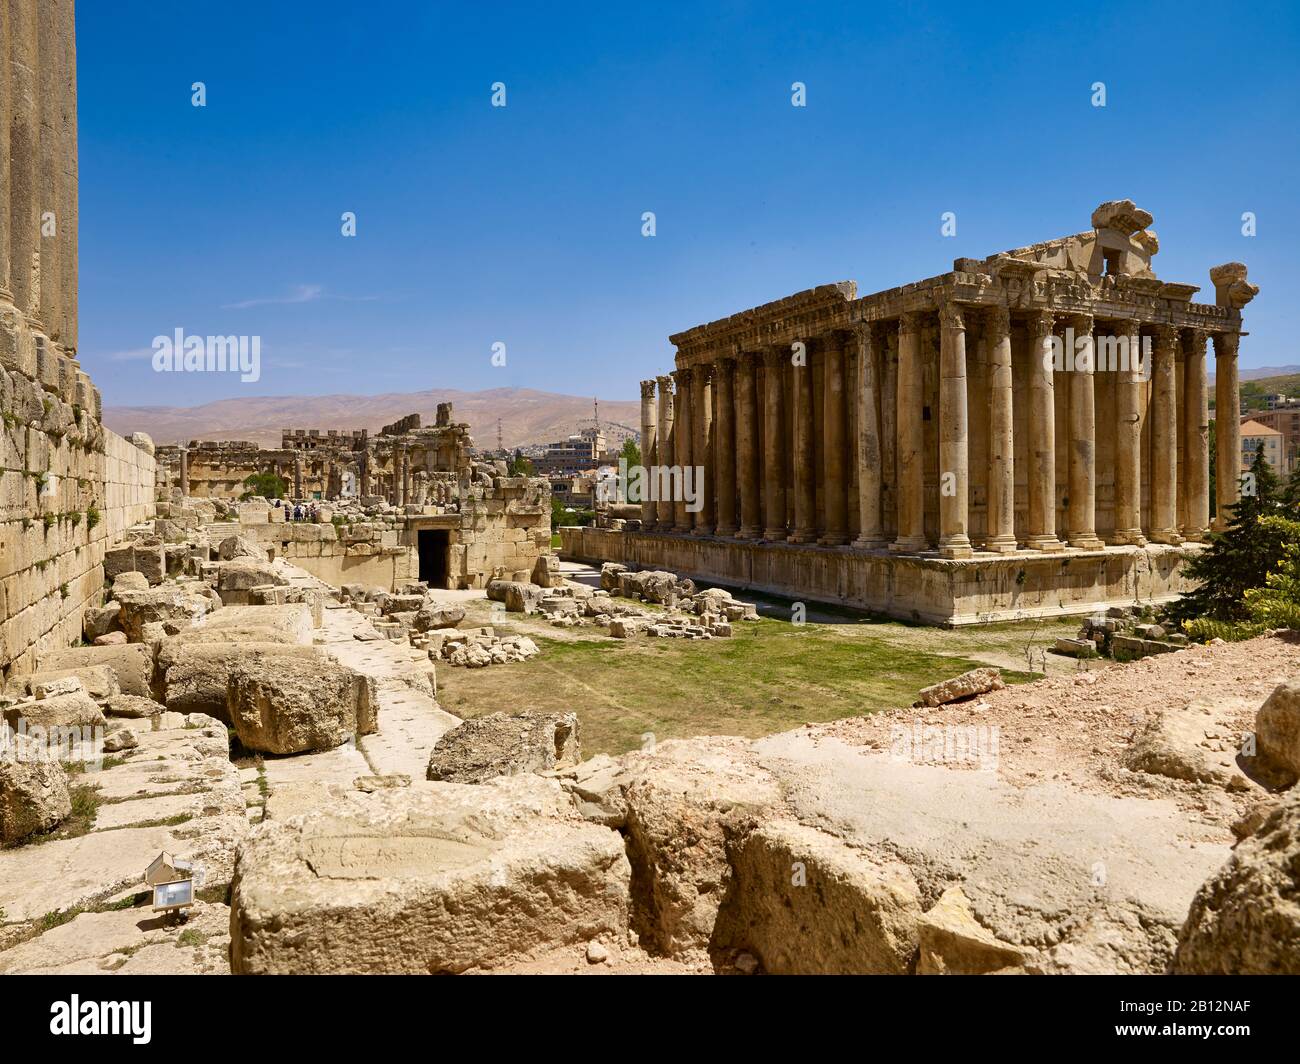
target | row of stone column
[
  {"x": 707, "y": 415},
  {"x": 38, "y": 166}
]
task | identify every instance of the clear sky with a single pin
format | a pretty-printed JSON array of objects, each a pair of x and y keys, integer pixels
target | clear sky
[{"x": 522, "y": 225}]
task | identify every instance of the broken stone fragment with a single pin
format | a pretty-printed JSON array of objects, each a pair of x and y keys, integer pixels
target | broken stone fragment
[
  {"x": 504, "y": 744},
  {"x": 954, "y": 942},
  {"x": 967, "y": 685},
  {"x": 1277, "y": 733},
  {"x": 33, "y": 792}
]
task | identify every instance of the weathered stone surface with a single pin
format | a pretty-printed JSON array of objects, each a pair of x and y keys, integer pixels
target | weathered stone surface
[
  {"x": 98, "y": 681},
  {"x": 967, "y": 685},
  {"x": 240, "y": 547},
  {"x": 196, "y": 676},
  {"x": 609, "y": 575},
  {"x": 100, "y": 620},
  {"x": 805, "y": 903},
  {"x": 522, "y": 598},
  {"x": 429, "y": 878},
  {"x": 1189, "y": 743},
  {"x": 146, "y": 559},
  {"x": 1277, "y": 733},
  {"x": 505, "y": 744},
  {"x": 131, "y": 581},
  {"x": 160, "y": 605},
  {"x": 119, "y": 738},
  {"x": 1245, "y": 920},
  {"x": 132, "y": 664},
  {"x": 33, "y": 793},
  {"x": 954, "y": 942},
  {"x": 685, "y": 800},
  {"x": 58, "y": 711},
  {"x": 546, "y": 571},
  {"x": 288, "y": 705},
  {"x": 237, "y": 577},
  {"x": 438, "y": 615},
  {"x": 132, "y": 707}
]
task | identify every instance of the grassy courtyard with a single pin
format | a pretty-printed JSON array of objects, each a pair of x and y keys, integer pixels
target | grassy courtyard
[{"x": 770, "y": 677}]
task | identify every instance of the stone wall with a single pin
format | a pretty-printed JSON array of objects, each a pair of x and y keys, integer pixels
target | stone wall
[
  {"x": 931, "y": 590},
  {"x": 68, "y": 489}
]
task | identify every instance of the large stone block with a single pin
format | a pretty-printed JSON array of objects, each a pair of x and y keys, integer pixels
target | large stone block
[
  {"x": 196, "y": 676},
  {"x": 75, "y": 710},
  {"x": 433, "y": 878},
  {"x": 1277, "y": 732},
  {"x": 33, "y": 793},
  {"x": 288, "y": 705},
  {"x": 148, "y": 559},
  {"x": 160, "y": 605},
  {"x": 133, "y": 665}
]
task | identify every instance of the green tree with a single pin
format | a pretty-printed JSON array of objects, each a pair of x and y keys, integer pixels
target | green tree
[
  {"x": 1277, "y": 603},
  {"x": 631, "y": 453},
  {"x": 521, "y": 466},
  {"x": 267, "y": 485},
  {"x": 1239, "y": 558}
]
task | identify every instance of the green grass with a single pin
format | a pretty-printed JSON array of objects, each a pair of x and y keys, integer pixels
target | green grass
[{"x": 771, "y": 676}]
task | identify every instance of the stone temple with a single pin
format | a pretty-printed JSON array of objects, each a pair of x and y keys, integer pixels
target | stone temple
[{"x": 1026, "y": 435}]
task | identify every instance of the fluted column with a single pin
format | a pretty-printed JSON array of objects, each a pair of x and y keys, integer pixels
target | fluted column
[
  {"x": 911, "y": 437},
  {"x": 1227, "y": 427},
  {"x": 702, "y": 447},
  {"x": 24, "y": 148},
  {"x": 667, "y": 453},
  {"x": 185, "y": 471},
  {"x": 724, "y": 442},
  {"x": 649, "y": 434},
  {"x": 1002, "y": 443},
  {"x": 954, "y": 435},
  {"x": 1083, "y": 438},
  {"x": 774, "y": 444},
  {"x": 805, "y": 471},
  {"x": 1128, "y": 438},
  {"x": 1196, "y": 426},
  {"x": 751, "y": 515},
  {"x": 682, "y": 441},
  {"x": 871, "y": 533},
  {"x": 1164, "y": 438},
  {"x": 834, "y": 479},
  {"x": 1042, "y": 436}
]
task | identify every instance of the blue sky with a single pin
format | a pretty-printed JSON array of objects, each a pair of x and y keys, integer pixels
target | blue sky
[{"x": 522, "y": 224}]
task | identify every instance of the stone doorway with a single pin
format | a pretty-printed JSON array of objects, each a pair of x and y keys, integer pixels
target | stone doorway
[{"x": 433, "y": 546}]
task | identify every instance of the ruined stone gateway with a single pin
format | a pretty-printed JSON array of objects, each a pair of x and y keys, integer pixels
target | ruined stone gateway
[{"x": 1026, "y": 435}]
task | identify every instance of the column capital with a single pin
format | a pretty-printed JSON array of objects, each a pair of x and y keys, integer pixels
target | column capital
[
  {"x": 997, "y": 324},
  {"x": 910, "y": 322},
  {"x": 704, "y": 371},
  {"x": 648, "y": 389},
  {"x": 682, "y": 376},
  {"x": 1082, "y": 322},
  {"x": 1197, "y": 341},
  {"x": 951, "y": 315},
  {"x": 1226, "y": 344},
  {"x": 1166, "y": 337},
  {"x": 665, "y": 383},
  {"x": 1042, "y": 322},
  {"x": 773, "y": 356}
]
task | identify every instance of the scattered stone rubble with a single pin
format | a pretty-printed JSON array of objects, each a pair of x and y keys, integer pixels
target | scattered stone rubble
[{"x": 1124, "y": 633}]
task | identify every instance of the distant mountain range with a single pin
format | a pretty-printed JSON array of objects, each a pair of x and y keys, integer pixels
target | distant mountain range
[{"x": 526, "y": 416}]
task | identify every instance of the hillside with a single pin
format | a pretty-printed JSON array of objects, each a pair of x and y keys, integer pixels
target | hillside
[{"x": 527, "y": 416}]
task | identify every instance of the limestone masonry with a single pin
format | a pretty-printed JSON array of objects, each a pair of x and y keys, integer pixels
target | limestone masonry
[{"x": 1025, "y": 435}]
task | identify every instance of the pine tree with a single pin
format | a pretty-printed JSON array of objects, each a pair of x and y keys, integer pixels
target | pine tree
[{"x": 1240, "y": 557}]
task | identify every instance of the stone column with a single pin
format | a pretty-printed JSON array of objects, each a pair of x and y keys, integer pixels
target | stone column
[
  {"x": 1128, "y": 439},
  {"x": 1042, "y": 436},
  {"x": 682, "y": 442},
  {"x": 297, "y": 477},
  {"x": 774, "y": 444},
  {"x": 1196, "y": 423},
  {"x": 1002, "y": 443},
  {"x": 68, "y": 179},
  {"x": 1083, "y": 438},
  {"x": 49, "y": 80},
  {"x": 724, "y": 443},
  {"x": 24, "y": 148},
  {"x": 1164, "y": 439},
  {"x": 888, "y": 350},
  {"x": 911, "y": 437},
  {"x": 649, "y": 431},
  {"x": 1227, "y": 427},
  {"x": 702, "y": 446},
  {"x": 751, "y": 516},
  {"x": 805, "y": 471},
  {"x": 185, "y": 471},
  {"x": 834, "y": 475},
  {"x": 666, "y": 453},
  {"x": 6, "y": 180},
  {"x": 871, "y": 533},
  {"x": 954, "y": 435}
]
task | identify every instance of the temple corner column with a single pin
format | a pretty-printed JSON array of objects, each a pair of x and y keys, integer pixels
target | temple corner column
[
  {"x": 954, "y": 435},
  {"x": 649, "y": 432},
  {"x": 1227, "y": 427}
]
